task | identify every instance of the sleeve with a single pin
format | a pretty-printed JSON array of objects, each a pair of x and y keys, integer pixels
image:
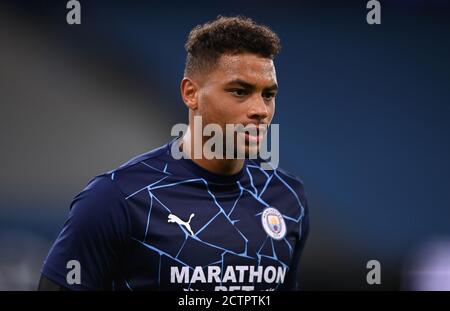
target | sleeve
[
  {"x": 86, "y": 254},
  {"x": 293, "y": 275}
]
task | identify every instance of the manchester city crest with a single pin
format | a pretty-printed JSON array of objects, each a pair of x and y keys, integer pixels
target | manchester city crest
[{"x": 273, "y": 223}]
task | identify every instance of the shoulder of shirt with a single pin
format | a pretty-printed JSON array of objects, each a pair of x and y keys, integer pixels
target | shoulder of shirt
[
  {"x": 148, "y": 157},
  {"x": 296, "y": 184},
  {"x": 281, "y": 172},
  {"x": 289, "y": 175},
  {"x": 291, "y": 181},
  {"x": 130, "y": 167}
]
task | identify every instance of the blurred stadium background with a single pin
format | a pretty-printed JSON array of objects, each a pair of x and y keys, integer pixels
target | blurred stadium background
[{"x": 363, "y": 112}]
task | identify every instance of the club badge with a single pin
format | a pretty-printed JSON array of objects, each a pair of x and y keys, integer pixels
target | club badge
[{"x": 273, "y": 223}]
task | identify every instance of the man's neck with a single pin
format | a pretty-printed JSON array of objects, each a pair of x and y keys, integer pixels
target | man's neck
[{"x": 214, "y": 165}]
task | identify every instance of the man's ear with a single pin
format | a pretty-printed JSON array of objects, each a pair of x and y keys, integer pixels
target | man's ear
[{"x": 189, "y": 92}]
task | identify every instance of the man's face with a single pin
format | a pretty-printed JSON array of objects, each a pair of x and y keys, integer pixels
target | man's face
[{"x": 240, "y": 89}]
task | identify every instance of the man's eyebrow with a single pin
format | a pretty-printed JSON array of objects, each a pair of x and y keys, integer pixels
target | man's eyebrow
[
  {"x": 273, "y": 87},
  {"x": 250, "y": 86}
]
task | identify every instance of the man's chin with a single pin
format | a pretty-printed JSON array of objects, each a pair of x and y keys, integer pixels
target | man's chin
[{"x": 247, "y": 151}]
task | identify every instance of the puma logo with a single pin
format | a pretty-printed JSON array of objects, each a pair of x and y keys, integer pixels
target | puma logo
[{"x": 176, "y": 219}]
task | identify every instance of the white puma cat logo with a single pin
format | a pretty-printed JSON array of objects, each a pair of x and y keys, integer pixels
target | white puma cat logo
[{"x": 174, "y": 218}]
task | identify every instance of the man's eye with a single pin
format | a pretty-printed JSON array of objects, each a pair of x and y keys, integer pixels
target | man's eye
[
  {"x": 269, "y": 95},
  {"x": 239, "y": 92}
]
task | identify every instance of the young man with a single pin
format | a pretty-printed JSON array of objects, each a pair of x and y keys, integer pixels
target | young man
[{"x": 195, "y": 223}]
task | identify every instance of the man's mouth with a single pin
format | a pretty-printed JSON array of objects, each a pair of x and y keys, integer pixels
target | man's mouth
[
  {"x": 254, "y": 134},
  {"x": 253, "y": 138}
]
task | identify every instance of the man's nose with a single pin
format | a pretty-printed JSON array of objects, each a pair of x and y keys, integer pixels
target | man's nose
[{"x": 258, "y": 109}]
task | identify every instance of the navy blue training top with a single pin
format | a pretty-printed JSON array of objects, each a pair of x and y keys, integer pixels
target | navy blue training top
[{"x": 157, "y": 223}]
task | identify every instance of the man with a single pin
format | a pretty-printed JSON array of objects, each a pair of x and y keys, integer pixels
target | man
[{"x": 195, "y": 223}]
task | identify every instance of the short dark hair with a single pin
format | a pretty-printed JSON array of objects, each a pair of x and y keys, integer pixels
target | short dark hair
[{"x": 233, "y": 35}]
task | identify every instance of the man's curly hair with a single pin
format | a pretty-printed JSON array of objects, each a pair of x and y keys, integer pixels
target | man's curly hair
[{"x": 227, "y": 35}]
